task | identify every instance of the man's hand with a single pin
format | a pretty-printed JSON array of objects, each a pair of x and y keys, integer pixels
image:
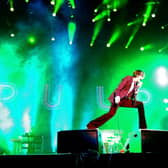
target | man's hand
[{"x": 117, "y": 99}]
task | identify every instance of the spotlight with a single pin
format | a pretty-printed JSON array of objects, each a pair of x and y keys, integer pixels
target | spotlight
[
  {"x": 72, "y": 16},
  {"x": 162, "y": 27},
  {"x": 96, "y": 10},
  {"x": 12, "y": 35},
  {"x": 31, "y": 40},
  {"x": 108, "y": 6},
  {"x": 161, "y": 77},
  {"x": 108, "y": 19},
  {"x": 91, "y": 44},
  {"x": 115, "y": 10},
  {"x": 165, "y": 100},
  {"x": 143, "y": 24},
  {"x": 54, "y": 14},
  {"x": 93, "y": 20},
  {"x": 52, "y": 38},
  {"x": 153, "y": 15},
  {"x": 12, "y": 9},
  {"x": 142, "y": 48},
  {"x": 52, "y": 2}
]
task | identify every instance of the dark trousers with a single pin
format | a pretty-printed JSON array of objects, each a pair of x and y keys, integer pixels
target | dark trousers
[{"x": 123, "y": 103}]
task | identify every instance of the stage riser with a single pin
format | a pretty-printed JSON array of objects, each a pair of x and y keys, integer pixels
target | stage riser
[
  {"x": 79, "y": 141},
  {"x": 85, "y": 161},
  {"x": 149, "y": 141},
  {"x": 90, "y": 141}
]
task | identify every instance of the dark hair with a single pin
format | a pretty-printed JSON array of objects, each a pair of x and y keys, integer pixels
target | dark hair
[{"x": 138, "y": 73}]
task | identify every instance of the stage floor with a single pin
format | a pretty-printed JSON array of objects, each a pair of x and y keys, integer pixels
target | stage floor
[{"x": 86, "y": 160}]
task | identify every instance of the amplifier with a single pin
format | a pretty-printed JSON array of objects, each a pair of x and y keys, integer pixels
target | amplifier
[{"x": 79, "y": 141}]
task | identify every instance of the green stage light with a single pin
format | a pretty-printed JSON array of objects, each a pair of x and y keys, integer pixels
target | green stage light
[
  {"x": 54, "y": 14},
  {"x": 91, "y": 44},
  {"x": 109, "y": 19},
  {"x": 144, "y": 24},
  {"x": 146, "y": 47},
  {"x": 57, "y": 5},
  {"x": 71, "y": 31},
  {"x": 163, "y": 48},
  {"x": 153, "y": 15},
  {"x": 114, "y": 10},
  {"x": 135, "y": 22},
  {"x": 100, "y": 16},
  {"x": 147, "y": 14},
  {"x": 115, "y": 36},
  {"x": 97, "y": 28},
  {"x": 52, "y": 2},
  {"x": 162, "y": 27},
  {"x": 12, "y": 35},
  {"x": 72, "y": 3},
  {"x": 132, "y": 36},
  {"x": 31, "y": 40},
  {"x": 96, "y": 10},
  {"x": 12, "y": 9},
  {"x": 142, "y": 48}
]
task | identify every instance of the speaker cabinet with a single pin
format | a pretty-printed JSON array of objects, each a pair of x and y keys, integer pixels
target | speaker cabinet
[
  {"x": 149, "y": 141},
  {"x": 79, "y": 141}
]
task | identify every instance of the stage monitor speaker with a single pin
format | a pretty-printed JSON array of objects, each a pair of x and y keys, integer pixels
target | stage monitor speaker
[
  {"x": 79, "y": 141},
  {"x": 149, "y": 141}
]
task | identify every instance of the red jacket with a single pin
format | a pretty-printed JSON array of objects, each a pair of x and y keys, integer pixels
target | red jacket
[{"x": 123, "y": 89}]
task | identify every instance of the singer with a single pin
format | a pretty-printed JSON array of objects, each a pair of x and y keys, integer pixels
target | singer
[{"x": 124, "y": 96}]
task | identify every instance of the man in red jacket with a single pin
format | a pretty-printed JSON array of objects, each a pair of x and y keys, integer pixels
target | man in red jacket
[{"x": 124, "y": 96}]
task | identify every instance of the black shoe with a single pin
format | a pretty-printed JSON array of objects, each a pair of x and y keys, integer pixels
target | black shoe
[{"x": 91, "y": 126}]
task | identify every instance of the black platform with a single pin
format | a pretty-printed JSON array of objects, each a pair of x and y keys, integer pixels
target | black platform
[{"x": 84, "y": 160}]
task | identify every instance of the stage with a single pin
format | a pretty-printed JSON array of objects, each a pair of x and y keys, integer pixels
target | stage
[
  {"x": 60, "y": 60},
  {"x": 84, "y": 149},
  {"x": 85, "y": 160}
]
